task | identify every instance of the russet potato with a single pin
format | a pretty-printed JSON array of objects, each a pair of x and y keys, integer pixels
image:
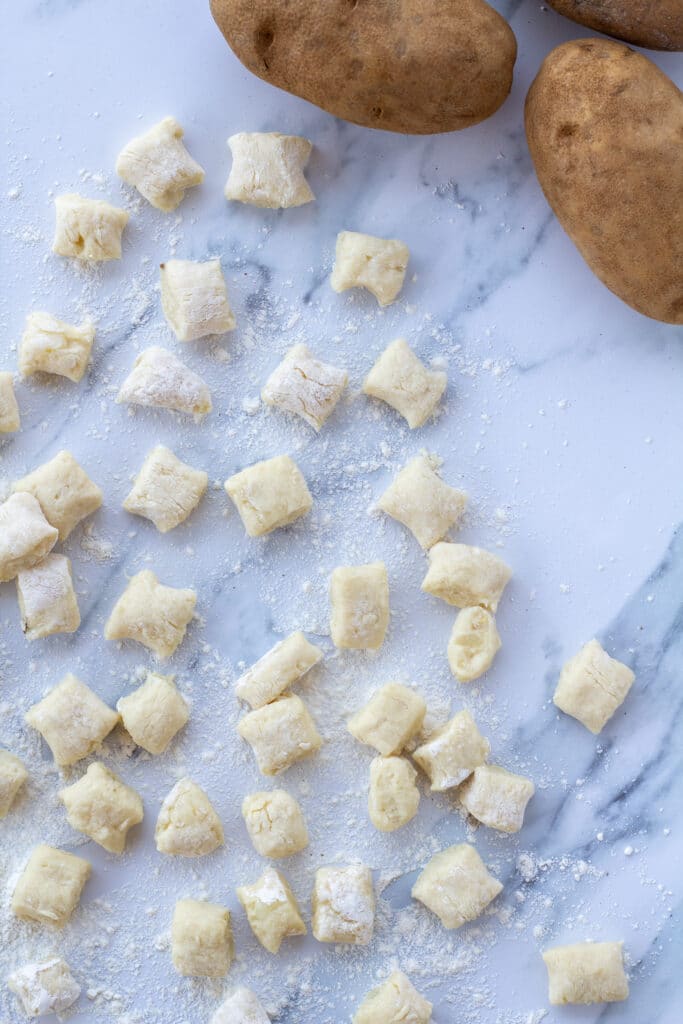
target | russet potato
[{"x": 655, "y": 24}]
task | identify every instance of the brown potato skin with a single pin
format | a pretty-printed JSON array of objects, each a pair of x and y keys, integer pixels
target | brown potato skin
[
  {"x": 605, "y": 131},
  {"x": 411, "y": 66},
  {"x": 655, "y": 24}
]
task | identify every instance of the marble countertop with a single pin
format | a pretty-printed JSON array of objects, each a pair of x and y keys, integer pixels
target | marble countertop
[{"x": 562, "y": 419}]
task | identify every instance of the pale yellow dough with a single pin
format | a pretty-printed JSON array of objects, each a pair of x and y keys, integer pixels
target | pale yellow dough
[
  {"x": 275, "y": 823},
  {"x": 592, "y": 686},
  {"x": 49, "y": 345},
  {"x": 10, "y": 420},
  {"x": 66, "y": 493},
  {"x": 393, "y": 797},
  {"x": 269, "y": 495},
  {"x": 188, "y": 825},
  {"x": 473, "y": 644},
  {"x": 47, "y": 600},
  {"x": 271, "y": 909},
  {"x": 26, "y": 536},
  {"x": 268, "y": 170},
  {"x": 497, "y": 797},
  {"x": 88, "y": 229},
  {"x": 194, "y": 298},
  {"x": 153, "y": 713},
  {"x": 280, "y": 734},
  {"x": 305, "y": 386},
  {"x": 159, "y": 379},
  {"x": 275, "y": 672},
  {"x": 419, "y": 499},
  {"x": 452, "y": 752},
  {"x": 343, "y": 905},
  {"x": 464, "y": 576},
  {"x": 403, "y": 382},
  {"x": 587, "y": 972},
  {"x": 102, "y": 807},
  {"x": 365, "y": 261},
  {"x": 158, "y": 165},
  {"x": 395, "y": 1001},
  {"x": 50, "y": 886},
  {"x": 13, "y": 776},
  {"x": 72, "y": 720},
  {"x": 45, "y": 987},
  {"x": 456, "y": 886},
  {"x": 166, "y": 491},
  {"x": 359, "y": 600},
  {"x": 201, "y": 939},
  {"x": 390, "y": 719},
  {"x": 152, "y": 614}
]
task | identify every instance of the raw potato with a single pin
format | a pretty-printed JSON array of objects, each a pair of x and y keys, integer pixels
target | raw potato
[
  {"x": 26, "y": 536},
  {"x": 65, "y": 492},
  {"x": 44, "y": 988},
  {"x": 390, "y": 719},
  {"x": 453, "y": 752},
  {"x": 272, "y": 674},
  {"x": 88, "y": 229},
  {"x": 187, "y": 825},
  {"x": 420, "y": 500},
  {"x": 466, "y": 576},
  {"x": 604, "y": 126},
  {"x": 393, "y": 797},
  {"x": 410, "y": 66},
  {"x": 496, "y": 797},
  {"x": 166, "y": 491},
  {"x": 271, "y": 909},
  {"x": 241, "y": 1007},
  {"x": 49, "y": 345},
  {"x": 158, "y": 379},
  {"x": 158, "y": 165},
  {"x": 403, "y": 382},
  {"x": 10, "y": 421},
  {"x": 13, "y": 775},
  {"x": 201, "y": 939},
  {"x": 269, "y": 495},
  {"x": 50, "y": 886},
  {"x": 280, "y": 734},
  {"x": 395, "y": 1001},
  {"x": 656, "y": 26},
  {"x": 305, "y": 386},
  {"x": 151, "y": 614},
  {"x": 456, "y": 886},
  {"x": 72, "y": 720},
  {"x": 364, "y": 261},
  {"x": 268, "y": 170},
  {"x": 153, "y": 713},
  {"x": 592, "y": 686},
  {"x": 359, "y": 600},
  {"x": 194, "y": 298},
  {"x": 587, "y": 972},
  {"x": 47, "y": 600},
  {"x": 473, "y": 644},
  {"x": 102, "y": 807},
  {"x": 343, "y": 905}
]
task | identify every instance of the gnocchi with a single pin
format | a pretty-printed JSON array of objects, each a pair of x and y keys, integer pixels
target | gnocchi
[
  {"x": 453, "y": 752},
  {"x": 88, "y": 229},
  {"x": 275, "y": 823},
  {"x": 587, "y": 972},
  {"x": 72, "y": 720},
  {"x": 365, "y": 261},
  {"x": 13, "y": 776},
  {"x": 465, "y": 576},
  {"x": 66, "y": 493},
  {"x": 343, "y": 905},
  {"x": 49, "y": 345},
  {"x": 419, "y": 499},
  {"x": 269, "y": 495},
  {"x": 26, "y": 536},
  {"x": 592, "y": 686},
  {"x": 102, "y": 807},
  {"x": 403, "y": 382},
  {"x": 158, "y": 165},
  {"x": 280, "y": 734},
  {"x": 395, "y": 1001},
  {"x": 47, "y": 600},
  {"x": 271, "y": 910},
  {"x": 496, "y": 797},
  {"x": 154, "y": 713},
  {"x": 473, "y": 644},
  {"x": 241, "y": 1007},
  {"x": 194, "y": 298},
  {"x": 50, "y": 886},
  {"x": 201, "y": 939},
  {"x": 359, "y": 598},
  {"x": 159, "y": 379},
  {"x": 305, "y": 386},
  {"x": 393, "y": 797},
  {"x": 166, "y": 491},
  {"x": 272, "y": 674},
  {"x": 268, "y": 170},
  {"x": 45, "y": 987},
  {"x": 10, "y": 421},
  {"x": 152, "y": 614},
  {"x": 456, "y": 886},
  {"x": 188, "y": 825},
  {"x": 390, "y": 719}
]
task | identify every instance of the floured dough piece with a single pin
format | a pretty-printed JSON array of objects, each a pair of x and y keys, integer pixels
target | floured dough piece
[
  {"x": 587, "y": 972},
  {"x": 395, "y": 1001},
  {"x": 271, "y": 909},
  {"x": 269, "y": 495},
  {"x": 44, "y": 988},
  {"x": 420, "y": 500},
  {"x": 26, "y": 537},
  {"x": 158, "y": 165},
  {"x": 241, "y": 1007},
  {"x": 282, "y": 665},
  {"x": 364, "y": 261},
  {"x": 166, "y": 491},
  {"x": 359, "y": 599},
  {"x": 88, "y": 229},
  {"x": 65, "y": 492},
  {"x": 280, "y": 734},
  {"x": 275, "y": 823},
  {"x": 592, "y": 686},
  {"x": 497, "y": 797},
  {"x": 102, "y": 807},
  {"x": 151, "y": 614},
  {"x": 160, "y": 380},
  {"x": 194, "y": 298},
  {"x": 72, "y": 720},
  {"x": 451, "y": 754},
  {"x": 343, "y": 905},
  {"x": 201, "y": 939},
  {"x": 49, "y": 345},
  {"x": 9, "y": 410},
  {"x": 268, "y": 170},
  {"x": 188, "y": 825},
  {"x": 153, "y": 713},
  {"x": 13, "y": 775},
  {"x": 456, "y": 886},
  {"x": 305, "y": 386},
  {"x": 473, "y": 644},
  {"x": 50, "y": 886},
  {"x": 47, "y": 600},
  {"x": 403, "y": 382},
  {"x": 466, "y": 576},
  {"x": 393, "y": 798},
  {"x": 390, "y": 719}
]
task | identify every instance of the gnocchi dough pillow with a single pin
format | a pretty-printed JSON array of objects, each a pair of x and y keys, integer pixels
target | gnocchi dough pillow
[
  {"x": 72, "y": 720},
  {"x": 88, "y": 229},
  {"x": 466, "y": 576},
  {"x": 395, "y": 1001},
  {"x": 241, "y": 1007},
  {"x": 404, "y": 383},
  {"x": 102, "y": 807},
  {"x": 49, "y": 345},
  {"x": 280, "y": 734},
  {"x": 194, "y": 298},
  {"x": 166, "y": 491},
  {"x": 587, "y": 972},
  {"x": 268, "y": 170},
  {"x": 456, "y": 886},
  {"x": 452, "y": 753},
  {"x": 45, "y": 987},
  {"x": 359, "y": 599},
  {"x": 343, "y": 905},
  {"x": 26, "y": 536},
  {"x": 187, "y": 825},
  {"x": 497, "y": 797},
  {"x": 473, "y": 644},
  {"x": 271, "y": 909},
  {"x": 275, "y": 672},
  {"x": 160, "y": 380},
  {"x": 154, "y": 713},
  {"x": 151, "y": 614},
  {"x": 50, "y": 886},
  {"x": 9, "y": 410},
  {"x": 275, "y": 823},
  {"x": 269, "y": 495},
  {"x": 420, "y": 500},
  {"x": 13, "y": 775},
  {"x": 47, "y": 600},
  {"x": 201, "y": 939},
  {"x": 66, "y": 493},
  {"x": 390, "y": 719},
  {"x": 393, "y": 797},
  {"x": 364, "y": 261},
  {"x": 592, "y": 686},
  {"x": 305, "y": 386},
  {"x": 158, "y": 165}
]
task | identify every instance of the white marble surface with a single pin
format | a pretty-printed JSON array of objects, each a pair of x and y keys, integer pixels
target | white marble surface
[{"x": 562, "y": 419}]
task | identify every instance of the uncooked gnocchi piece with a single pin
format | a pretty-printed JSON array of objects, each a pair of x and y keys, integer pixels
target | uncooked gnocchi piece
[
  {"x": 102, "y": 807},
  {"x": 158, "y": 165},
  {"x": 9, "y": 410},
  {"x": 587, "y": 972},
  {"x": 359, "y": 599},
  {"x": 151, "y": 614},
  {"x": 305, "y": 386},
  {"x": 50, "y": 886},
  {"x": 88, "y": 229},
  {"x": 72, "y": 720},
  {"x": 399, "y": 379},
  {"x": 49, "y": 345},
  {"x": 47, "y": 600},
  {"x": 343, "y": 905},
  {"x": 395, "y": 1001},
  {"x": 456, "y": 886},
  {"x": 364, "y": 261},
  {"x": 473, "y": 644},
  {"x": 272, "y": 674},
  {"x": 275, "y": 823},
  {"x": 194, "y": 298},
  {"x": 592, "y": 686},
  {"x": 269, "y": 495},
  {"x": 393, "y": 797},
  {"x": 158, "y": 379},
  {"x": 466, "y": 576},
  {"x": 280, "y": 734},
  {"x": 390, "y": 719},
  {"x": 241, "y": 1007},
  {"x": 65, "y": 492},
  {"x": 201, "y": 939},
  {"x": 452, "y": 753},
  {"x": 420, "y": 500},
  {"x": 153, "y": 713},
  {"x": 26, "y": 536},
  {"x": 496, "y": 797},
  {"x": 268, "y": 170},
  {"x": 188, "y": 825},
  {"x": 166, "y": 491},
  {"x": 271, "y": 909},
  {"x": 13, "y": 775},
  {"x": 44, "y": 988}
]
